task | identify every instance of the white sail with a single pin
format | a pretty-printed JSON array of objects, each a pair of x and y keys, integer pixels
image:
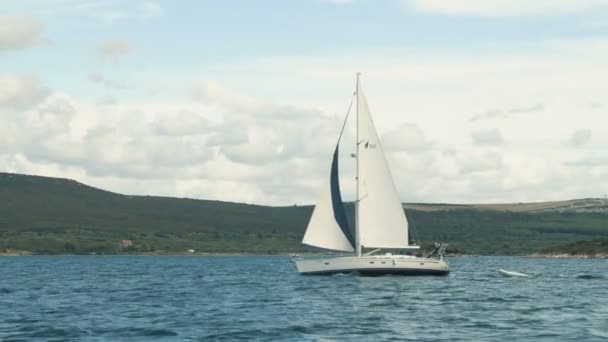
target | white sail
[
  {"x": 381, "y": 220},
  {"x": 328, "y": 227}
]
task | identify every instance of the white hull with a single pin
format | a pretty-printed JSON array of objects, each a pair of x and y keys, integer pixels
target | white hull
[{"x": 373, "y": 265}]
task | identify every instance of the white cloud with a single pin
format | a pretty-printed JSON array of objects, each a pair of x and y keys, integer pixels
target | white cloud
[
  {"x": 30, "y": 125},
  {"x": 208, "y": 145},
  {"x": 579, "y": 138},
  {"x": 222, "y": 144},
  {"x": 407, "y": 137},
  {"x": 184, "y": 123},
  {"x": 211, "y": 92},
  {"x": 279, "y": 133},
  {"x": 117, "y": 150},
  {"x": 504, "y": 7},
  {"x": 225, "y": 135},
  {"x": 491, "y": 137},
  {"x": 52, "y": 117},
  {"x": 20, "y": 91},
  {"x": 113, "y": 50},
  {"x": 504, "y": 114},
  {"x": 482, "y": 162},
  {"x": 18, "y": 32}
]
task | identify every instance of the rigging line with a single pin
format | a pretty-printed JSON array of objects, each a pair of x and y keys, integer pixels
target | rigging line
[
  {"x": 411, "y": 227},
  {"x": 352, "y": 100}
]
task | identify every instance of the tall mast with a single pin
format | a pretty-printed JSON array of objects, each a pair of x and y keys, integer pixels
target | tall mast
[{"x": 357, "y": 174}]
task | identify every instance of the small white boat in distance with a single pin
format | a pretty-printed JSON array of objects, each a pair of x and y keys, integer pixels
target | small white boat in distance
[
  {"x": 512, "y": 274},
  {"x": 380, "y": 221}
]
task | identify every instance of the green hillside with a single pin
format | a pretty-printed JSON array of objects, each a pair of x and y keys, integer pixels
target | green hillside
[{"x": 51, "y": 215}]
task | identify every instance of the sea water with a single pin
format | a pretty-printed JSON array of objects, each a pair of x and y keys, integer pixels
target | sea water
[{"x": 202, "y": 298}]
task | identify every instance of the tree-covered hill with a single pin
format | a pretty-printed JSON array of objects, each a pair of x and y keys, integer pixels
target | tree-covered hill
[
  {"x": 53, "y": 215},
  {"x": 42, "y": 214}
]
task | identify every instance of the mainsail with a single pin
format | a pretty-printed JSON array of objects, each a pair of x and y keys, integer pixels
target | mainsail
[
  {"x": 381, "y": 220},
  {"x": 328, "y": 227}
]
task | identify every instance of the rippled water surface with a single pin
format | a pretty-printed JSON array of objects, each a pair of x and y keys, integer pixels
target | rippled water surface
[{"x": 136, "y": 298}]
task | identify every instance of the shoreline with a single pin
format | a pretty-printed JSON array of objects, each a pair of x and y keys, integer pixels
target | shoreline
[
  {"x": 26, "y": 253},
  {"x": 16, "y": 253},
  {"x": 568, "y": 256}
]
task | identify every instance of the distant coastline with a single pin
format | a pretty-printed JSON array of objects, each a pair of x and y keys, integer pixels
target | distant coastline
[
  {"x": 568, "y": 256},
  {"x": 55, "y": 216},
  {"x": 157, "y": 253},
  {"x": 16, "y": 253}
]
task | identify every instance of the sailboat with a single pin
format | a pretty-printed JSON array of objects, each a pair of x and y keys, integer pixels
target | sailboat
[{"x": 380, "y": 221}]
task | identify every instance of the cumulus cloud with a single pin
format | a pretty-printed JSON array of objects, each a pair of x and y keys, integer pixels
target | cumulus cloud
[
  {"x": 253, "y": 132},
  {"x": 52, "y": 117},
  {"x": 27, "y": 127},
  {"x": 211, "y": 92},
  {"x": 492, "y": 137},
  {"x": 18, "y": 32},
  {"x": 579, "y": 138},
  {"x": 230, "y": 146},
  {"x": 259, "y": 150},
  {"x": 21, "y": 91},
  {"x": 503, "y": 7},
  {"x": 278, "y": 133},
  {"x": 58, "y": 130},
  {"x": 481, "y": 162},
  {"x": 113, "y": 50},
  {"x": 185, "y": 123},
  {"x": 407, "y": 137},
  {"x": 119, "y": 151},
  {"x": 226, "y": 135},
  {"x": 271, "y": 154}
]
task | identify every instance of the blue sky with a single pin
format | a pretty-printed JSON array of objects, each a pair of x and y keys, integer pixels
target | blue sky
[
  {"x": 187, "y": 35},
  {"x": 502, "y": 99}
]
